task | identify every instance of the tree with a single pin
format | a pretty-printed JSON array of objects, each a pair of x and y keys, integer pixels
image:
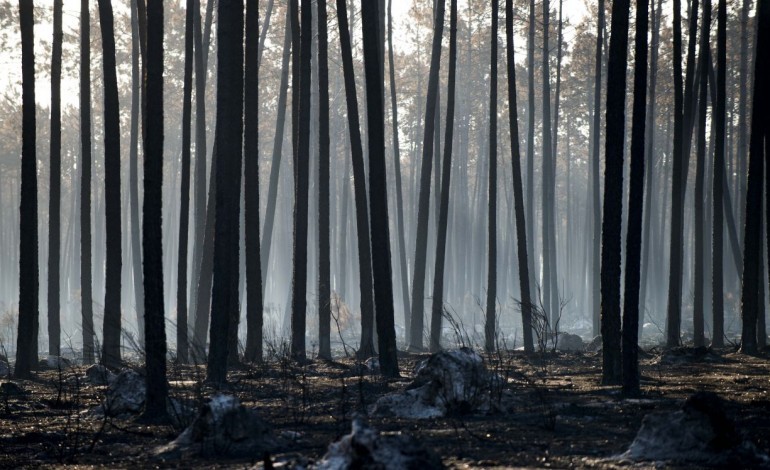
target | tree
[
  {"x": 229, "y": 139},
  {"x": 184, "y": 205},
  {"x": 518, "y": 193},
  {"x": 366, "y": 280},
  {"x": 111, "y": 338},
  {"x": 595, "y": 162},
  {"x": 550, "y": 290},
  {"x": 630, "y": 348},
  {"x": 154, "y": 318},
  {"x": 324, "y": 257},
  {"x": 85, "y": 185},
  {"x": 673, "y": 317},
  {"x": 378, "y": 197},
  {"x": 531, "y": 132},
  {"x": 438, "y": 275},
  {"x": 717, "y": 191},
  {"x": 301, "y": 183},
  {"x": 489, "y": 326},
  {"x": 423, "y": 206},
  {"x": 26, "y": 353},
  {"x": 750, "y": 306},
  {"x": 613, "y": 193},
  {"x": 251, "y": 198},
  {"x": 137, "y": 89},
  {"x": 397, "y": 170},
  {"x": 54, "y": 204},
  {"x": 698, "y": 320}
]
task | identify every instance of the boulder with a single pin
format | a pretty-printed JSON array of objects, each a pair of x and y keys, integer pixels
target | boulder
[
  {"x": 365, "y": 447},
  {"x": 568, "y": 342},
  {"x": 97, "y": 374},
  {"x": 125, "y": 394},
  {"x": 595, "y": 345},
  {"x": 51, "y": 362},
  {"x": 5, "y": 369},
  {"x": 223, "y": 427},
  {"x": 11, "y": 389},
  {"x": 700, "y": 432},
  {"x": 454, "y": 381}
]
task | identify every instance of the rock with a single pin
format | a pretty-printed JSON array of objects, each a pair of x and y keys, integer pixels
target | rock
[
  {"x": 5, "y": 369},
  {"x": 455, "y": 381},
  {"x": 125, "y": 395},
  {"x": 365, "y": 447},
  {"x": 97, "y": 374},
  {"x": 55, "y": 363},
  {"x": 595, "y": 345},
  {"x": 223, "y": 427},
  {"x": 11, "y": 389},
  {"x": 699, "y": 432},
  {"x": 570, "y": 342}
]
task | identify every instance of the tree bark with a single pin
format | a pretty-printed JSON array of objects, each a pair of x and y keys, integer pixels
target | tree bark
[
  {"x": 595, "y": 178},
  {"x": 490, "y": 334},
  {"x": 324, "y": 255},
  {"x": 54, "y": 204}
]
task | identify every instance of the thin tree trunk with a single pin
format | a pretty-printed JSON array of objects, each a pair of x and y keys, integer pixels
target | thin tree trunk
[
  {"x": 54, "y": 204},
  {"x": 595, "y": 162},
  {"x": 518, "y": 194},
  {"x": 423, "y": 208},
  {"x": 531, "y": 137},
  {"x": 112, "y": 314},
  {"x": 490, "y": 334},
  {"x": 630, "y": 345},
  {"x": 229, "y": 139},
  {"x": 324, "y": 255},
  {"x": 378, "y": 196},
  {"x": 613, "y": 194},
  {"x": 441, "y": 234},
  {"x": 154, "y": 321},
  {"x": 397, "y": 170}
]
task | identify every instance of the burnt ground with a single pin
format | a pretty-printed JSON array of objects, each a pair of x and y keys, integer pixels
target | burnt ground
[{"x": 551, "y": 411}]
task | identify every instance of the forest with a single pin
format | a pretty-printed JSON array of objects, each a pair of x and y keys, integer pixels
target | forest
[{"x": 384, "y": 234}]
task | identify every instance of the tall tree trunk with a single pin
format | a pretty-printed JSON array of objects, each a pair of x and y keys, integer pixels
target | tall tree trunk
[
  {"x": 699, "y": 268},
  {"x": 54, "y": 203},
  {"x": 301, "y": 183},
  {"x": 423, "y": 208},
  {"x": 26, "y": 353},
  {"x": 630, "y": 345},
  {"x": 397, "y": 170},
  {"x": 531, "y": 138},
  {"x": 378, "y": 196},
  {"x": 743, "y": 113},
  {"x": 613, "y": 193},
  {"x": 85, "y": 184},
  {"x": 518, "y": 194},
  {"x": 366, "y": 281},
  {"x": 717, "y": 190},
  {"x": 649, "y": 157},
  {"x": 324, "y": 255},
  {"x": 441, "y": 234},
  {"x": 184, "y": 205},
  {"x": 275, "y": 167},
  {"x": 112, "y": 320},
  {"x": 133, "y": 174},
  {"x": 595, "y": 163},
  {"x": 229, "y": 139},
  {"x": 550, "y": 295},
  {"x": 254, "y": 296},
  {"x": 490, "y": 326},
  {"x": 674, "y": 309},
  {"x": 760, "y": 130},
  {"x": 154, "y": 320}
]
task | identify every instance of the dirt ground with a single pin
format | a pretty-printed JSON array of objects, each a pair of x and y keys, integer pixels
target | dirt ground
[{"x": 551, "y": 411}]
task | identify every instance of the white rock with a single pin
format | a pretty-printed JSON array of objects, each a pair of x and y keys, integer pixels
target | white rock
[
  {"x": 97, "y": 374},
  {"x": 126, "y": 394},
  {"x": 570, "y": 342}
]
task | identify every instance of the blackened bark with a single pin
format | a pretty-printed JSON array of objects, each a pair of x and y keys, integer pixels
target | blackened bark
[
  {"x": 489, "y": 324},
  {"x": 229, "y": 139},
  {"x": 718, "y": 186},
  {"x": 613, "y": 193},
  {"x": 112, "y": 320},
  {"x": 26, "y": 353},
  {"x": 54, "y": 204},
  {"x": 324, "y": 255},
  {"x": 85, "y": 185},
  {"x": 423, "y": 205},
  {"x": 378, "y": 196},
  {"x": 443, "y": 216},
  {"x": 184, "y": 205},
  {"x": 154, "y": 319},
  {"x": 595, "y": 163},
  {"x": 366, "y": 280},
  {"x": 518, "y": 193},
  {"x": 630, "y": 345}
]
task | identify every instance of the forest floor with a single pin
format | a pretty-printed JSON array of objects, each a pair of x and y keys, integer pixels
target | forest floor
[{"x": 556, "y": 413}]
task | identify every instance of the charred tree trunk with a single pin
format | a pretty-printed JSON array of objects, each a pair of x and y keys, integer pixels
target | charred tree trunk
[
  {"x": 595, "y": 163},
  {"x": 324, "y": 255},
  {"x": 54, "y": 204},
  {"x": 490, "y": 334}
]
